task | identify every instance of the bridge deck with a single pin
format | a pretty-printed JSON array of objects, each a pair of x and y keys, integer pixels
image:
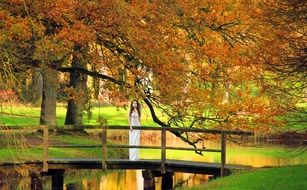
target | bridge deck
[{"x": 147, "y": 164}]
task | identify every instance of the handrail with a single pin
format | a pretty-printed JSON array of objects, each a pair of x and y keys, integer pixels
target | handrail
[
  {"x": 122, "y": 127},
  {"x": 129, "y": 146}
]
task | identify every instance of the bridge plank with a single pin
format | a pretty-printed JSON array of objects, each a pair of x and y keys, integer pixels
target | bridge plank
[
  {"x": 147, "y": 164},
  {"x": 151, "y": 164}
]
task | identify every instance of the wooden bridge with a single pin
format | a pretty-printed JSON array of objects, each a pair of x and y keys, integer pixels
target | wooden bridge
[{"x": 152, "y": 168}]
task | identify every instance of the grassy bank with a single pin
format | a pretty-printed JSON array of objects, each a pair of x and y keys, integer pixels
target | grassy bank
[{"x": 279, "y": 178}]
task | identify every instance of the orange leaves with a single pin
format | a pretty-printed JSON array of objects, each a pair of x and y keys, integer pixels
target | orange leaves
[
  {"x": 16, "y": 2},
  {"x": 78, "y": 33},
  {"x": 216, "y": 50},
  {"x": 3, "y": 15},
  {"x": 51, "y": 49},
  {"x": 201, "y": 57},
  {"x": 60, "y": 11},
  {"x": 21, "y": 30}
]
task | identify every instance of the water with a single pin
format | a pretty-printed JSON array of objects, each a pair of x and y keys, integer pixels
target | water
[
  {"x": 131, "y": 179},
  {"x": 97, "y": 180}
]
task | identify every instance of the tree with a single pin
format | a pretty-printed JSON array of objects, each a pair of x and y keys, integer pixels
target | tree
[
  {"x": 78, "y": 82},
  {"x": 49, "y": 97},
  {"x": 199, "y": 62}
]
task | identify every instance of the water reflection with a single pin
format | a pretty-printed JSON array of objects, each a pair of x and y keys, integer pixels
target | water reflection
[
  {"x": 97, "y": 180},
  {"x": 129, "y": 179},
  {"x": 118, "y": 180},
  {"x": 257, "y": 156}
]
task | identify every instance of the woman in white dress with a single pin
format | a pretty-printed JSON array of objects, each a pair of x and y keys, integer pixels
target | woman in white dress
[{"x": 134, "y": 135}]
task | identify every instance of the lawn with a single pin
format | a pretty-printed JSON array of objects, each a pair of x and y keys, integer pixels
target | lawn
[
  {"x": 279, "y": 178},
  {"x": 27, "y": 115}
]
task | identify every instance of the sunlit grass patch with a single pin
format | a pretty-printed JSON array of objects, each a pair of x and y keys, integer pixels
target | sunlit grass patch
[{"x": 289, "y": 177}]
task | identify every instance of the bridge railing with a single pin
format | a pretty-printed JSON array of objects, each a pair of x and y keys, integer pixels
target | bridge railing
[
  {"x": 104, "y": 143},
  {"x": 164, "y": 146}
]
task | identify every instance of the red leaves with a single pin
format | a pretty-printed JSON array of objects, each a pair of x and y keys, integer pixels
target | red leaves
[{"x": 6, "y": 95}]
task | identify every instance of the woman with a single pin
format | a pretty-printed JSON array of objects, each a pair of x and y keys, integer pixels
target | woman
[{"x": 134, "y": 135}]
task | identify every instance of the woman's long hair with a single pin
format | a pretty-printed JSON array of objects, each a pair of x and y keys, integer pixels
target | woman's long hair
[{"x": 137, "y": 108}]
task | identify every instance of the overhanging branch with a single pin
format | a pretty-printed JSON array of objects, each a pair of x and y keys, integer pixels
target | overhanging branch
[
  {"x": 91, "y": 73},
  {"x": 162, "y": 124}
]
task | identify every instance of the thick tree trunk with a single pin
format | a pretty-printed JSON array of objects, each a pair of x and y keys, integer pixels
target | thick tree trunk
[
  {"x": 78, "y": 80},
  {"x": 49, "y": 97},
  {"x": 36, "y": 86}
]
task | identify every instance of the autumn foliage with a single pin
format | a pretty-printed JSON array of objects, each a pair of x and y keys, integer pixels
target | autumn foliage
[{"x": 203, "y": 63}]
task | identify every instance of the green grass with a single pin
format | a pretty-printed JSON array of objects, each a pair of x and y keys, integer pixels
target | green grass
[
  {"x": 279, "y": 178},
  {"x": 76, "y": 140},
  {"x": 29, "y": 115},
  {"x": 26, "y": 115}
]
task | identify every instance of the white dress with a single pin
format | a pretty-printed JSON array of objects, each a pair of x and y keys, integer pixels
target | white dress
[{"x": 134, "y": 136}]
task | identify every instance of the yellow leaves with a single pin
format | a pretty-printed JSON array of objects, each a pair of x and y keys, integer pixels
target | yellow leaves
[{"x": 3, "y": 38}]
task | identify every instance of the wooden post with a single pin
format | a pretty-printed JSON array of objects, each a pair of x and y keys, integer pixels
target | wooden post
[
  {"x": 45, "y": 163},
  {"x": 104, "y": 153},
  {"x": 167, "y": 181},
  {"x": 163, "y": 150},
  {"x": 149, "y": 180},
  {"x": 2, "y": 177},
  {"x": 36, "y": 183},
  {"x": 223, "y": 153},
  {"x": 57, "y": 179}
]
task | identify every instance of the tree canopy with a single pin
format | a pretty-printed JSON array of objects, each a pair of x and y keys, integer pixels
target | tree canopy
[{"x": 202, "y": 63}]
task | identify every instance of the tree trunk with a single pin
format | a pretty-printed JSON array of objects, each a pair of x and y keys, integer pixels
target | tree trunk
[
  {"x": 49, "y": 97},
  {"x": 36, "y": 86},
  {"x": 78, "y": 80}
]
